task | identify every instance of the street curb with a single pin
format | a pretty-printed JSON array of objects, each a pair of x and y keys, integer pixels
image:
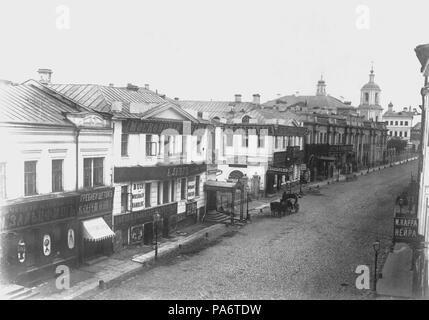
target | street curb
[{"x": 131, "y": 268}]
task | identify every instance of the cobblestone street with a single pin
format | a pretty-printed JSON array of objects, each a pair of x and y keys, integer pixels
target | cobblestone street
[{"x": 310, "y": 255}]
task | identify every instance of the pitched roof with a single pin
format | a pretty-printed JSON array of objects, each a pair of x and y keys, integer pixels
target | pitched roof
[
  {"x": 25, "y": 103},
  {"x": 401, "y": 114},
  {"x": 99, "y": 98},
  {"x": 312, "y": 102},
  {"x": 216, "y": 108}
]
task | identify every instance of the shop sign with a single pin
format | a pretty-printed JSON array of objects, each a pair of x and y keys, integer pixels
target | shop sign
[
  {"x": 70, "y": 239},
  {"x": 278, "y": 170},
  {"x": 21, "y": 251},
  {"x": 139, "y": 217},
  {"x": 191, "y": 189},
  {"x": 136, "y": 234},
  {"x": 46, "y": 244},
  {"x": 137, "y": 196},
  {"x": 96, "y": 202},
  {"x": 405, "y": 229},
  {"x": 36, "y": 212}
]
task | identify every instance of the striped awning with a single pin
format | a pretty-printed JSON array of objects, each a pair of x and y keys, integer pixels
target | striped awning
[{"x": 96, "y": 230}]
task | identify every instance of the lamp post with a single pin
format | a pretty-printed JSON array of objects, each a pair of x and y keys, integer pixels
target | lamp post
[
  {"x": 376, "y": 246},
  {"x": 156, "y": 219}
]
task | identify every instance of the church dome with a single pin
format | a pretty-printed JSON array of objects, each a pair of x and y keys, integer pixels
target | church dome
[{"x": 371, "y": 85}]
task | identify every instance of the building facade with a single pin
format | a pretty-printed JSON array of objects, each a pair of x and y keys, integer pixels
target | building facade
[
  {"x": 400, "y": 123},
  {"x": 55, "y": 183}
]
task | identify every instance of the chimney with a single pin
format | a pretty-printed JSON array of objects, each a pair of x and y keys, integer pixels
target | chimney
[
  {"x": 405, "y": 109},
  {"x": 390, "y": 107},
  {"x": 238, "y": 98},
  {"x": 257, "y": 98},
  {"x": 45, "y": 76},
  {"x": 132, "y": 87},
  {"x": 111, "y": 85},
  {"x": 176, "y": 98},
  {"x": 146, "y": 86}
]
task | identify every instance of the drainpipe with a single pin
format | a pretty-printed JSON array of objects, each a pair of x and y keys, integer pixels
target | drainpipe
[{"x": 77, "y": 157}]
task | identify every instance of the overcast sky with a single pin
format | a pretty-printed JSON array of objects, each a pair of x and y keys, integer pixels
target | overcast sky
[{"x": 201, "y": 49}]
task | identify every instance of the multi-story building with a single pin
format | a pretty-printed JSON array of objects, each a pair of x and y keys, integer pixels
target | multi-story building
[
  {"x": 422, "y": 52},
  {"x": 246, "y": 139},
  {"x": 159, "y": 159},
  {"x": 55, "y": 181},
  {"x": 400, "y": 123},
  {"x": 338, "y": 140}
]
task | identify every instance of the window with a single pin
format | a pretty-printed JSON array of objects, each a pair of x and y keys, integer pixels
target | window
[
  {"x": 124, "y": 145},
  {"x": 197, "y": 186},
  {"x": 405, "y": 134},
  {"x": 391, "y": 123},
  {"x": 376, "y": 98},
  {"x": 400, "y": 133},
  {"x": 245, "y": 139},
  {"x": 165, "y": 192},
  {"x": 396, "y": 123},
  {"x": 366, "y": 97},
  {"x": 261, "y": 141},
  {"x": 402, "y": 123},
  {"x": 396, "y": 133},
  {"x": 150, "y": 146},
  {"x": 173, "y": 190},
  {"x": 183, "y": 189},
  {"x": 57, "y": 175},
  {"x": 2, "y": 180},
  {"x": 245, "y": 119},
  {"x": 147, "y": 188},
  {"x": 406, "y": 123},
  {"x": 158, "y": 193},
  {"x": 391, "y": 132},
  {"x": 124, "y": 199},
  {"x": 199, "y": 140},
  {"x": 276, "y": 142},
  {"x": 93, "y": 172},
  {"x": 30, "y": 178},
  {"x": 229, "y": 139}
]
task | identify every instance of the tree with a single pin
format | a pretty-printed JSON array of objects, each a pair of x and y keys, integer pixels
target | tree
[{"x": 397, "y": 143}]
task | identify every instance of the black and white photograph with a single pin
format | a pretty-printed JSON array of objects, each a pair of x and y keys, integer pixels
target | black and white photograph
[{"x": 201, "y": 151}]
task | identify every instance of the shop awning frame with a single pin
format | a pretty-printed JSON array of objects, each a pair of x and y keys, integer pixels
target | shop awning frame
[{"x": 96, "y": 230}]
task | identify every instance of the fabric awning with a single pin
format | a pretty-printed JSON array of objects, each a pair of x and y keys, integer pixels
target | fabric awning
[{"x": 96, "y": 230}]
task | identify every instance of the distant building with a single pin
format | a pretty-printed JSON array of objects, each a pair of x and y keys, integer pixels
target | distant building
[
  {"x": 399, "y": 123},
  {"x": 369, "y": 106},
  {"x": 416, "y": 135}
]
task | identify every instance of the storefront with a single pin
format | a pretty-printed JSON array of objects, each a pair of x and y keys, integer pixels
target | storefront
[
  {"x": 38, "y": 234},
  {"x": 95, "y": 223},
  {"x": 139, "y": 227}
]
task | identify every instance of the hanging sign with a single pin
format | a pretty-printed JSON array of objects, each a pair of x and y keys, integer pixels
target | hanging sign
[
  {"x": 46, "y": 244},
  {"x": 21, "y": 251},
  {"x": 70, "y": 239},
  {"x": 405, "y": 229},
  {"x": 138, "y": 196}
]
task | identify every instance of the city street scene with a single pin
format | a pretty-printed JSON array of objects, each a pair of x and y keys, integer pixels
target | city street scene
[{"x": 202, "y": 150}]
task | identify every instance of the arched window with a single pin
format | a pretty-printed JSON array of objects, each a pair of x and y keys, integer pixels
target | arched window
[
  {"x": 235, "y": 175},
  {"x": 245, "y": 119},
  {"x": 366, "y": 97}
]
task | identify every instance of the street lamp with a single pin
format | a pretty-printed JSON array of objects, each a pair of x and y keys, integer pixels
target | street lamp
[
  {"x": 376, "y": 246},
  {"x": 156, "y": 219}
]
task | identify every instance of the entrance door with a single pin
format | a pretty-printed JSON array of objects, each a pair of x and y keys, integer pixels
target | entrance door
[
  {"x": 211, "y": 200},
  {"x": 148, "y": 233}
]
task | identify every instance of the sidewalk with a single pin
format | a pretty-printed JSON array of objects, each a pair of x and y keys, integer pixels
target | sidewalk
[
  {"x": 85, "y": 281},
  {"x": 397, "y": 275}
]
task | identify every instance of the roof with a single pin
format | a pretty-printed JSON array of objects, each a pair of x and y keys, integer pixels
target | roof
[
  {"x": 422, "y": 53},
  {"x": 401, "y": 114},
  {"x": 312, "y": 102},
  {"x": 216, "y": 108},
  {"x": 99, "y": 98},
  {"x": 418, "y": 126},
  {"x": 371, "y": 86},
  {"x": 25, "y": 103}
]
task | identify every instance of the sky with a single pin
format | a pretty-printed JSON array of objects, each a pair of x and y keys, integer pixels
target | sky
[{"x": 213, "y": 49}]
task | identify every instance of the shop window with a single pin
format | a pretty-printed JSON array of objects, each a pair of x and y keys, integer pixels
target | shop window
[
  {"x": 197, "y": 186},
  {"x": 165, "y": 192},
  {"x": 150, "y": 146},
  {"x": 57, "y": 175},
  {"x": 276, "y": 142},
  {"x": 173, "y": 190},
  {"x": 158, "y": 193},
  {"x": 124, "y": 199},
  {"x": 124, "y": 145},
  {"x": 3, "y": 180},
  {"x": 93, "y": 172},
  {"x": 183, "y": 189},
  {"x": 30, "y": 177},
  {"x": 147, "y": 194}
]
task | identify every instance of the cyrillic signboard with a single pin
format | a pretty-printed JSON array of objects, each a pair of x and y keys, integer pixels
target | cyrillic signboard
[
  {"x": 137, "y": 196},
  {"x": 405, "y": 229}
]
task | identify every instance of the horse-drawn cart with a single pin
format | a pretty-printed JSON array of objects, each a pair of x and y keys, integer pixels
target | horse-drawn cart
[{"x": 287, "y": 205}]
